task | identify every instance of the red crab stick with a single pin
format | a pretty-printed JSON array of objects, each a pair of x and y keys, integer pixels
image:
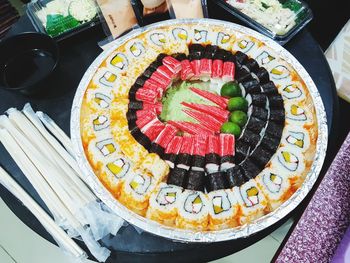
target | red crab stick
[
  {"x": 213, "y": 145},
  {"x": 146, "y": 95},
  {"x": 196, "y": 68},
  {"x": 206, "y": 120},
  {"x": 219, "y": 113},
  {"x": 228, "y": 71},
  {"x": 172, "y": 64},
  {"x": 205, "y": 68},
  {"x": 187, "y": 145},
  {"x": 200, "y": 145},
  {"x": 227, "y": 144},
  {"x": 166, "y": 135},
  {"x": 155, "y": 86},
  {"x": 172, "y": 149},
  {"x": 153, "y": 128},
  {"x": 186, "y": 70},
  {"x": 157, "y": 107},
  {"x": 218, "y": 100},
  {"x": 190, "y": 127},
  {"x": 147, "y": 118},
  {"x": 217, "y": 69}
]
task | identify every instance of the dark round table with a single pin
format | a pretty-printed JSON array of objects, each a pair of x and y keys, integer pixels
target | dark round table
[{"x": 77, "y": 53}]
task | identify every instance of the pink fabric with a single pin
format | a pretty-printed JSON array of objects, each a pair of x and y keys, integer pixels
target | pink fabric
[{"x": 326, "y": 218}]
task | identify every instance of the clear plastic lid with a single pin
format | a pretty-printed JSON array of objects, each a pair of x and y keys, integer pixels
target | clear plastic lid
[
  {"x": 63, "y": 18},
  {"x": 278, "y": 19}
]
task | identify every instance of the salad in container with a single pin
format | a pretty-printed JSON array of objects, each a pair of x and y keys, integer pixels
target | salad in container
[
  {"x": 63, "y": 18},
  {"x": 278, "y": 19}
]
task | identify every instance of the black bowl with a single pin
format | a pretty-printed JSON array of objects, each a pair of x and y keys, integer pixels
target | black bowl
[{"x": 27, "y": 61}]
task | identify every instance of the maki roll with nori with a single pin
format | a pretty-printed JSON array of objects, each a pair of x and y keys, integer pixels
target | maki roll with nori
[
  {"x": 135, "y": 105},
  {"x": 210, "y": 51},
  {"x": 177, "y": 176},
  {"x": 196, "y": 51},
  {"x": 140, "y": 137},
  {"x": 274, "y": 129},
  {"x": 195, "y": 181},
  {"x": 227, "y": 151},
  {"x": 251, "y": 86},
  {"x": 240, "y": 58},
  {"x": 261, "y": 156},
  {"x": 180, "y": 56},
  {"x": 269, "y": 88},
  {"x": 256, "y": 125},
  {"x": 199, "y": 150},
  {"x": 172, "y": 151},
  {"x": 258, "y": 112},
  {"x": 132, "y": 92},
  {"x": 140, "y": 81},
  {"x": 184, "y": 159},
  {"x": 249, "y": 169},
  {"x": 212, "y": 156},
  {"x": 216, "y": 181},
  {"x": 259, "y": 100},
  {"x": 270, "y": 143},
  {"x": 252, "y": 65},
  {"x": 242, "y": 150},
  {"x": 242, "y": 75},
  {"x": 276, "y": 101},
  {"x": 250, "y": 138},
  {"x": 131, "y": 117},
  {"x": 235, "y": 176},
  {"x": 262, "y": 75},
  {"x": 277, "y": 115}
]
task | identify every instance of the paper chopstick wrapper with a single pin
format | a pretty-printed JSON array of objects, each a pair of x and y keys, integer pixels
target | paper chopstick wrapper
[{"x": 338, "y": 56}]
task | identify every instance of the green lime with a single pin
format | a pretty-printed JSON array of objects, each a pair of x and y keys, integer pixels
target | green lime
[
  {"x": 238, "y": 103},
  {"x": 231, "y": 89},
  {"x": 231, "y": 128},
  {"x": 239, "y": 117}
]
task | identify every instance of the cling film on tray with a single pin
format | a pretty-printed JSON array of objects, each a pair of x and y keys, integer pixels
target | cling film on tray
[{"x": 278, "y": 19}]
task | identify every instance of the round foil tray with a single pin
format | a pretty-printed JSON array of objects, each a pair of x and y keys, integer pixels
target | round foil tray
[{"x": 187, "y": 235}]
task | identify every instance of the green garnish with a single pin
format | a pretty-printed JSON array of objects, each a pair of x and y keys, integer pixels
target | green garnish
[
  {"x": 239, "y": 117},
  {"x": 231, "y": 128},
  {"x": 231, "y": 89},
  {"x": 238, "y": 103},
  {"x": 57, "y": 24}
]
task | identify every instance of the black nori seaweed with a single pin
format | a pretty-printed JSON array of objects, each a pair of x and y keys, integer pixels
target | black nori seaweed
[
  {"x": 180, "y": 56},
  {"x": 256, "y": 125},
  {"x": 259, "y": 100},
  {"x": 270, "y": 143},
  {"x": 250, "y": 137},
  {"x": 196, "y": 181},
  {"x": 259, "y": 112},
  {"x": 274, "y": 129},
  {"x": 132, "y": 92},
  {"x": 154, "y": 65},
  {"x": 241, "y": 58},
  {"x": 269, "y": 88},
  {"x": 140, "y": 81},
  {"x": 148, "y": 72},
  {"x": 198, "y": 161},
  {"x": 250, "y": 170},
  {"x": 156, "y": 148},
  {"x": 210, "y": 51},
  {"x": 252, "y": 65},
  {"x": 276, "y": 101},
  {"x": 251, "y": 86},
  {"x": 141, "y": 138},
  {"x": 177, "y": 176},
  {"x": 242, "y": 150},
  {"x": 227, "y": 159},
  {"x": 277, "y": 115},
  {"x": 216, "y": 181},
  {"x": 184, "y": 158},
  {"x": 242, "y": 75},
  {"x": 212, "y": 158},
  {"x": 160, "y": 57},
  {"x": 135, "y": 105},
  {"x": 131, "y": 115},
  {"x": 196, "y": 51},
  {"x": 220, "y": 54},
  {"x": 261, "y": 156},
  {"x": 235, "y": 177},
  {"x": 263, "y": 75},
  {"x": 171, "y": 157}
]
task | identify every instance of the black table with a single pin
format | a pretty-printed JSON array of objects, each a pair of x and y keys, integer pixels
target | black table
[{"x": 77, "y": 54}]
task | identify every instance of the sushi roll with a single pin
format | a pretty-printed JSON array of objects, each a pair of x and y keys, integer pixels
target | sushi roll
[
  {"x": 270, "y": 143},
  {"x": 297, "y": 114},
  {"x": 249, "y": 168},
  {"x": 245, "y": 45},
  {"x": 222, "y": 39},
  {"x": 261, "y": 156},
  {"x": 172, "y": 150},
  {"x": 235, "y": 177},
  {"x": 200, "y": 35},
  {"x": 139, "y": 136},
  {"x": 193, "y": 211},
  {"x": 157, "y": 38},
  {"x": 180, "y": 34},
  {"x": 212, "y": 156},
  {"x": 252, "y": 202},
  {"x": 228, "y": 69},
  {"x": 163, "y": 204},
  {"x": 132, "y": 92},
  {"x": 240, "y": 58},
  {"x": 252, "y": 65},
  {"x": 276, "y": 187},
  {"x": 195, "y": 180},
  {"x": 296, "y": 137},
  {"x": 262, "y": 75},
  {"x": 136, "y": 191},
  {"x": 99, "y": 99},
  {"x": 178, "y": 177},
  {"x": 249, "y": 138},
  {"x": 163, "y": 139},
  {"x": 223, "y": 208},
  {"x": 210, "y": 51},
  {"x": 216, "y": 181},
  {"x": 293, "y": 91},
  {"x": 265, "y": 58},
  {"x": 137, "y": 49},
  {"x": 259, "y": 100},
  {"x": 280, "y": 72},
  {"x": 196, "y": 51},
  {"x": 258, "y": 112},
  {"x": 251, "y": 86},
  {"x": 274, "y": 129},
  {"x": 269, "y": 88},
  {"x": 255, "y": 124},
  {"x": 242, "y": 151},
  {"x": 135, "y": 105},
  {"x": 227, "y": 151},
  {"x": 276, "y": 101},
  {"x": 242, "y": 75},
  {"x": 277, "y": 115},
  {"x": 102, "y": 149},
  {"x": 119, "y": 62},
  {"x": 100, "y": 122},
  {"x": 184, "y": 158},
  {"x": 152, "y": 164},
  {"x": 108, "y": 79},
  {"x": 199, "y": 150}
]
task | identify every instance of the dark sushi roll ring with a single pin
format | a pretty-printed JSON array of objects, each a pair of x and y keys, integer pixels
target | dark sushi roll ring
[
  {"x": 180, "y": 56},
  {"x": 135, "y": 105},
  {"x": 256, "y": 125},
  {"x": 212, "y": 158},
  {"x": 274, "y": 129},
  {"x": 263, "y": 75},
  {"x": 250, "y": 138},
  {"x": 276, "y": 101},
  {"x": 140, "y": 81},
  {"x": 210, "y": 51},
  {"x": 259, "y": 100},
  {"x": 177, "y": 176},
  {"x": 251, "y": 86},
  {"x": 148, "y": 72},
  {"x": 184, "y": 159},
  {"x": 259, "y": 112},
  {"x": 156, "y": 148},
  {"x": 261, "y": 156},
  {"x": 277, "y": 115},
  {"x": 132, "y": 92},
  {"x": 198, "y": 161},
  {"x": 269, "y": 88},
  {"x": 241, "y": 58},
  {"x": 140, "y": 137},
  {"x": 220, "y": 54},
  {"x": 242, "y": 75},
  {"x": 235, "y": 177},
  {"x": 195, "y": 51},
  {"x": 195, "y": 181},
  {"x": 242, "y": 151},
  {"x": 227, "y": 159},
  {"x": 252, "y": 65},
  {"x": 160, "y": 57},
  {"x": 154, "y": 65},
  {"x": 270, "y": 143},
  {"x": 250, "y": 170},
  {"x": 216, "y": 181}
]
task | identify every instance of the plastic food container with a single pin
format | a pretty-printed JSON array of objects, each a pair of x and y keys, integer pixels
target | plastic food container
[
  {"x": 63, "y": 18},
  {"x": 277, "y": 19}
]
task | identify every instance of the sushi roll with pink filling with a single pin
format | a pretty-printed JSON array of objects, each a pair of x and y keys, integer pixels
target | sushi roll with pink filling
[
  {"x": 199, "y": 151},
  {"x": 184, "y": 158},
  {"x": 212, "y": 155},
  {"x": 163, "y": 139},
  {"x": 172, "y": 150},
  {"x": 227, "y": 151}
]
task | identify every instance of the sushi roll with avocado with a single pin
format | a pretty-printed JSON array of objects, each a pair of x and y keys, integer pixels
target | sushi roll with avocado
[
  {"x": 223, "y": 209},
  {"x": 251, "y": 200},
  {"x": 193, "y": 211},
  {"x": 163, "y": 204}
]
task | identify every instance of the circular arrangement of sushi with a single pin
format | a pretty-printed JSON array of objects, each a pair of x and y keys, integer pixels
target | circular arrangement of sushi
[{"x": 198, "y": 126}]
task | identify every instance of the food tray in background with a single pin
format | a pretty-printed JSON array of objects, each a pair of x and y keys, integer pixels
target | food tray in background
[
  {"x": 300, "y": 16},
  {"x": 53, "y": 17}
]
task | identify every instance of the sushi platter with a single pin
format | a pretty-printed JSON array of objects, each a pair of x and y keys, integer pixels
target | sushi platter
[{"x": 199, "y": 130}]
